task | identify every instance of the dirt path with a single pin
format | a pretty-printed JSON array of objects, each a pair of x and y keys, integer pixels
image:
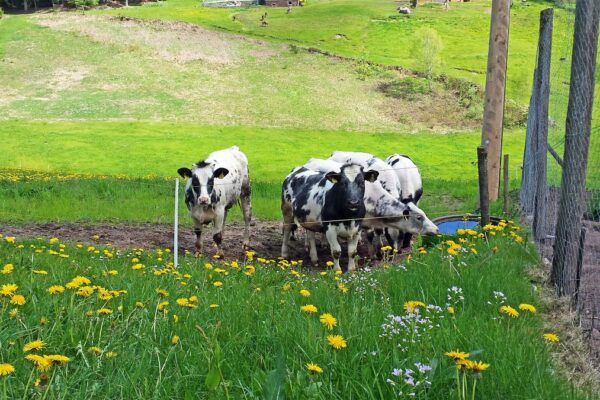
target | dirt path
[{"x": 265, "y": 238}]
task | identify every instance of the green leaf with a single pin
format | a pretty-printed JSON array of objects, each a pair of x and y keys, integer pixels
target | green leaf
[
  {"x": 213, "y": 379},
  {"x": 274, "y": 385}
]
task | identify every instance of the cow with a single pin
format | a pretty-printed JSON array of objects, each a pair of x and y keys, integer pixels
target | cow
[
  {"x": 414, "y": 219},
  {"x": 213, "y": 186},
  {"x": 331, "y": 203},
  {"x": 411, "y": 190}
]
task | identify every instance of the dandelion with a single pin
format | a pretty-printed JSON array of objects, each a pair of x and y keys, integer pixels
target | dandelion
[
  {"x": 450, "y": 310},
  {"x": 328, "y": 321},
  {"x": 343, "y": 288},
  {"x": 162, "y": 305},
  {"x": 457, "y": 355},
  {"x": 42, "y": 363},
  {"x": 138, "y": 266},
  {"x": 17, "y": 299},
  {"x": 85, "y": 291},
  {"x": 309, "y": 308},
  {"x": 8, "y": 289},
  {"x": 6, "y": 369},
  {"x": 476, "y": 366},
  {"x": 111, "y": 354},
  {"x": 43, "y": 321},
  {"x": 58, "y": 358},
  {"x": 94, "y": 350},
  {"x": 304, "y": 293},
  {"x": 336, "y": 341},
  {"x": 286, "y": 286},
  {"x": 77, "y": 282},
  {"x": 34, "y": 345},
  {"x": 40, "y": 272},
  {"x": 104, "y": 311},
  {"x": 551, "y": 337},
  {"x": 508, "y": 310},
  {"x": 7, "y": 269},
  {"x": 139, "y": 304},
  {"x": 193, "y": 299},
  {"x": 527, "y": 307},
  {"x": 314, "y": 368},
  {"x": 174, "y": 340},
  {"x": 214, "y": 305},
  {"x": 56, "y": 289},
  {"x": 13, "y": 313},
  {"x": 217, "y": 283},
  {"x": 183, "y": 302},
  {"x": 329, "y": 263},
  {"x": 412, "y": 305}
]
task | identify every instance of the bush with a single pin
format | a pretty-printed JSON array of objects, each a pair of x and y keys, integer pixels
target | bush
[
  {"x": 426, "y": 50},
  {"x": 365, "y": 69},
  {"x": 407, "y": 88},
  {"x": 1, "y": 13},
  {"x": 82, "y": 3}
]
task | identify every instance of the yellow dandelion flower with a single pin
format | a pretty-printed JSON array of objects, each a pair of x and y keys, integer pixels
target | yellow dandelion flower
[
  {"x": 476, "y": 366},
  {"x": 94, "y": 350},
  {"x": 175, "y": 318},
  {"x": 329, "y": 263},
  {"x": 336, "y": 341},
  {"x": 214, "y": 306},
  {"x": 162, "y": 305},
  {"x": 217, "y": 283},
  {"x": 8, "y": 289},
  {"x": 457, "y": 355},
  {"x": 6, "y": 369},
  {"x": 43, "y": 321},
  {"x": 182, "y": 301},
  {"x": 139, "y": 304},
  {"x": 328, "y": 321},
  {"x": 174, "y": 340},
  {"x": 17, "y": 299},
  {"x": 314, "y": 368},
  {"x": 309, "y": 308},
  {"x": 138, "y": 266},
  {"x": 7, "y": 269},
  {"x": 412, "y": 305},
  {"x": 305, "y": 293},
  {"x": 34, "y": 345},
  {"x": 161, "y": 292},
  {"x": 56, "y": 289},
  {"x": 508, "y": 310},
  {"x": 111, "y": 354},
  {"x": 343, "y": 288},
  {"x": 85, "y": 291},
  {"x": 40, "y": 272},
  {"x": 42, "y": 363},
  {"x": 286, "y": 286},
  {"x": 551, "y": 337},
  {"x": 13, "y": 313},
  {"x": 104, "y": 311},
  {"x": 58, "y": 358},
  {"x": 193, "y": 298},
  {"x": 450, "y": 310},
  {"x": 527, "y": 307}
]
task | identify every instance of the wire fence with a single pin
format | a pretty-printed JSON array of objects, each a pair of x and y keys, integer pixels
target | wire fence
[{"x": 560, "y": 191}]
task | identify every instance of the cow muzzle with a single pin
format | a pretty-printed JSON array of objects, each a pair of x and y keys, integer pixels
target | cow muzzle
[{"x": 204, "y": 200}]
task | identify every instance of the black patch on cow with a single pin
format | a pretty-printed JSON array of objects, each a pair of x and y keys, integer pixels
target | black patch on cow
[
  {"x": 395, "y": 161},
  {"x": 202, "y": 164},
  {"x": 405, "y": 156},
  {"x": 418, "y": 195}
]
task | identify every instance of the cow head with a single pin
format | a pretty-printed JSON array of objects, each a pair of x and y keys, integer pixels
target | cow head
[
  {"x": 203, "y": 175},
  {"x": 414, "y": 220},
  {"x": 349, "y": 185}
]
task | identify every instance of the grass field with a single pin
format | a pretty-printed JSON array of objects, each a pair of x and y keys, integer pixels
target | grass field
[
  {"x": 141, "y": 149},
  {"x": 130, "y": 326}
]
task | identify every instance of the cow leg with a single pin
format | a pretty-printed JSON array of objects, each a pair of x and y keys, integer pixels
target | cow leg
[
  {"x": 198, "y": 244},
  {"x": 288, "y": 222},
  {"x": 247, "y": 211},
  {"x": 334, "y": 245},
  {"x": 312, "y": 247},
  {"x": 218, "y": 229},
  {"x": 406, "y": 240},
  {"x": 352, "y": 245},
  {"x": 370, "y": 239}
]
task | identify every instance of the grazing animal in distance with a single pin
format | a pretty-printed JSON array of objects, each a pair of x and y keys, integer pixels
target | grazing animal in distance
[{"x": 213, "y": 186}]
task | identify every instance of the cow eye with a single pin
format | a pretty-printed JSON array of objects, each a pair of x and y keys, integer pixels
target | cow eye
[{"x": 419, "y": 218}]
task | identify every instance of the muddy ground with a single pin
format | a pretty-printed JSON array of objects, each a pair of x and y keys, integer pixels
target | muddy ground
[{"x": 265, "y": 238}]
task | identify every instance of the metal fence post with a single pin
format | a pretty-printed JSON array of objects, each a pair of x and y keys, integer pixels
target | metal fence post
[
  {"x": 484, "y": 199},
  {"x": 577, "y": 138}
]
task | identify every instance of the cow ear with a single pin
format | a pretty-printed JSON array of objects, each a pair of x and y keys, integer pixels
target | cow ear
[
  {"x": 371, "y": 175},
  {"x": 333, "y": 177},
  {"x": 221, "y": 173},
  {"x": 185, "y": 172}
]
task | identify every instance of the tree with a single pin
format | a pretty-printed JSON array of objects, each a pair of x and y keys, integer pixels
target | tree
[{"x": 426, "y": 50}]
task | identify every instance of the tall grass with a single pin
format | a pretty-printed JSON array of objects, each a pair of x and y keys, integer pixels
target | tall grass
[{"x": 257, "y": 340}]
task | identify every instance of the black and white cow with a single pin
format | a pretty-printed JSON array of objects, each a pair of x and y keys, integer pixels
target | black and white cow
[
  {"x": 382, "y": 210},
  {"x": 331, "y": 203},
  {"x": 411, "y": 189},
  {"x": 214, "y": 185}
]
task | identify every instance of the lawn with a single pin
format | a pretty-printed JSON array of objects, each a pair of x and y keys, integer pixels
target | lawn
[{"x": 116, "y": 323}]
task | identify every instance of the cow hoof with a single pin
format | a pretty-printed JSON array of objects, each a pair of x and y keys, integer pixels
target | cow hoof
[
  {"x": 198, "y": 254},
  {"x": 246, "y": 245}
]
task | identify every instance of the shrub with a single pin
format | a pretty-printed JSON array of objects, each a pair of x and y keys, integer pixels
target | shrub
[
  {"x": 365, "y": 69},
  {"x": 82, "y": 3},
  {"x": 426, "y": 50},
  {"x": 407, "y": 88}
]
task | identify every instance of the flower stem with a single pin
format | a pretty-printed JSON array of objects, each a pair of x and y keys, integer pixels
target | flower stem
[{"x": 473, "y": 392}]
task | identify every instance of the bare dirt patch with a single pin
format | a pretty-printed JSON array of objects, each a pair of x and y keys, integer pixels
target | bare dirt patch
[
  {"x": 173, "y": 41},
  {"x": 265, "y": 238}
]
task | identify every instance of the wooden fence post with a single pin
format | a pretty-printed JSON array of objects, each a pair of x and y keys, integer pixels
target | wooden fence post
[
  {"x": 541, "y": 131},
  {"x": 577, "y": 139},
  {"x": 495, "y": 84},
  {"x": 484, "y": 200}
]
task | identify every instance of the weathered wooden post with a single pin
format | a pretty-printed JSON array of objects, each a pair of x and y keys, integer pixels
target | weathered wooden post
[
  {"x": 484, "y": 200},
  {"x": 493, "y": 114},
  {"x": 577, "y": 140},
  {"x": 541, "y": 130},
  {"x": 505, "y": 186}
]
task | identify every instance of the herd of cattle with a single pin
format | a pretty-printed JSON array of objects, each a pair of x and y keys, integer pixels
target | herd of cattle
[{"x": 340, "y": 197}]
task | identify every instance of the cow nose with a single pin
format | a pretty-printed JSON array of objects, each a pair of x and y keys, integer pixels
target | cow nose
[
  {"x": 203, "y": 200},
  {"x": 353, "y": 203}
]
